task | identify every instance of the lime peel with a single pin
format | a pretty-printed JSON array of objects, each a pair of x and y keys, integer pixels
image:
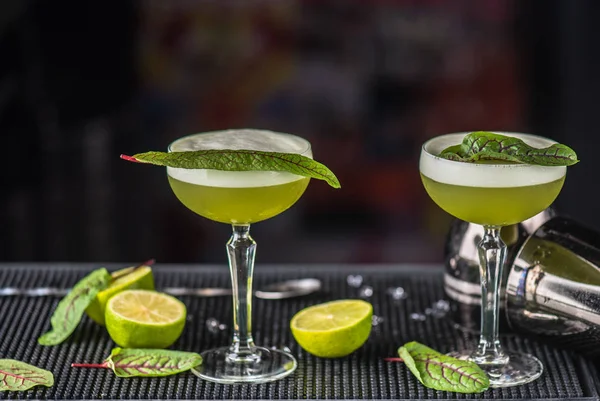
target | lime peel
[{"x": 130, "y": 278}]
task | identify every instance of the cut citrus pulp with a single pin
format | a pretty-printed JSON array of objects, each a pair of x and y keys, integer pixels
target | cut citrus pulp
[
  {"x": 333, "y": 329},
  {"x": 144, "y": 319}
]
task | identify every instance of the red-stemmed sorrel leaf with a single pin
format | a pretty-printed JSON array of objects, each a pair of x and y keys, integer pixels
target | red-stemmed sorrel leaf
[
  {"x": 20, "y": 376},
  {"x": 132, "y": 362},
  {"x": 442, "y": 372},
  {"x": 71, "y": 308},
  {"x": 239, "y": 160},
  {"x": 483, "y": 145}
]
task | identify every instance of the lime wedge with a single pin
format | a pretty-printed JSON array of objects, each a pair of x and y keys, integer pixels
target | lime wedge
[
  {"x": 144, "y": 319},
  {"x": 130, "y": 278},
  {"x": 333, "y": 329}
]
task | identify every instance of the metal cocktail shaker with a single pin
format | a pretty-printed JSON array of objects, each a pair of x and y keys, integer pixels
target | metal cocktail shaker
[
  {"x": 553, "y": 286},
  {"x": 461, "y": 279}
]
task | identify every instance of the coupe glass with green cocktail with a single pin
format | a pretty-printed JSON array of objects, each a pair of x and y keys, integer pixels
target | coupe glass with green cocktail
[
  {"x": 510, "y": 183},
  {"x": 251, "y": 175},
  {"x": 238, "y": 197}
]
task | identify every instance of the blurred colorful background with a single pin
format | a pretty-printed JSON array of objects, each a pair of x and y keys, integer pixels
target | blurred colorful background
[{"x": 366, "y": 82}]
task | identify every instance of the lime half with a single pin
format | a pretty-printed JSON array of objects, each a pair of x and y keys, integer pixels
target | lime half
[
  {"x": 333, "y": 329},
  {"x": 144, "y": 319},
  {"x": 129, "y": 278}
]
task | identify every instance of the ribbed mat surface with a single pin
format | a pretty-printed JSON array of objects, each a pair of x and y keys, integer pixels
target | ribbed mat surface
[{"x": 363, "y": 375}]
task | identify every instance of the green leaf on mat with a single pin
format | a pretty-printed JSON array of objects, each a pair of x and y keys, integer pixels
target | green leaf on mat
[
  {"x": 137, "y": 362},
  {"x": 151, "y": 362},
  {"x": 442, "y": 372},
  {"x": 20, "y": 376},
  {"x": 71, "y": 308}
]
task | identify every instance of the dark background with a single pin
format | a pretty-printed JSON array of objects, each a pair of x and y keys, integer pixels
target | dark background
[{"x": 365, "y": 82}]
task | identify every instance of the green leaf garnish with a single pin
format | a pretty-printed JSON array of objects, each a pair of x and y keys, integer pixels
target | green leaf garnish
[
  {"x": 71, "y": 308},
  {"x": 129, "y": 362},
  {"x": 484, "y": 145},
  {"x": 442, "y": 372},
  {"x": 239, "y": 160},
  {"x": 20, "y": 376}
]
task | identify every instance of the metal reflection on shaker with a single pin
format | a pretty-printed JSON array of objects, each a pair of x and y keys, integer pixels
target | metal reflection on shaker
[
  {"x": 553, "y": 286},
  {"x": 462, "y": 280}
]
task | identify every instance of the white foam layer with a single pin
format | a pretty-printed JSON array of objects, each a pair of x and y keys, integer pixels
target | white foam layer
[
  {"x": 251, "y": 139},
  {"x": 485, "y": 175}
]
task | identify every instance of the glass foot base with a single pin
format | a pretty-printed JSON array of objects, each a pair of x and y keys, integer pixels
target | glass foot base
[
  {"x": 264, "y": 366},
  {"x": 520, "y": 369}
]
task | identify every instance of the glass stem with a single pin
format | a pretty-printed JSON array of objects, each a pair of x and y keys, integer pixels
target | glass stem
[
  {"x": 492, "y": 254},
  {"x": 240, "y": 251}
]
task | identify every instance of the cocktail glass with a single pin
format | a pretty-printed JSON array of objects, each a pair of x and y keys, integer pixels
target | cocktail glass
[
  {"x": 494, "y": 196},
  {"x": 240, "y": 198}
]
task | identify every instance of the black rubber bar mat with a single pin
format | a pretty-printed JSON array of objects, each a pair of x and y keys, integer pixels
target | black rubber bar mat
[{"x": 362, "y": 375}]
